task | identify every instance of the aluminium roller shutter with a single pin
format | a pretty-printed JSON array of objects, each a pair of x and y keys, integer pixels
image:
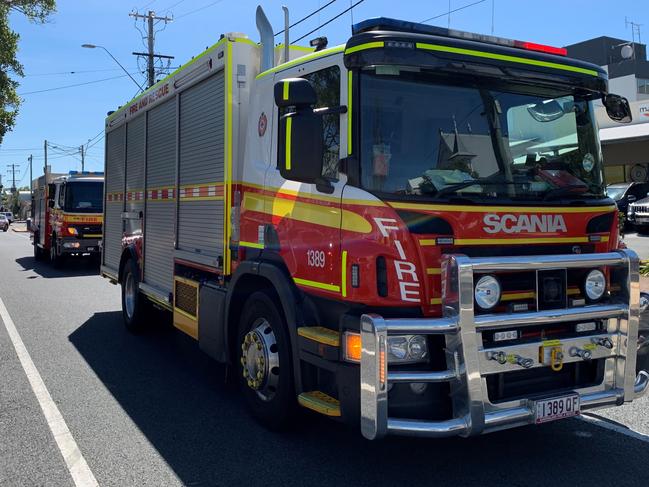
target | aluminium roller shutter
[
  {"x": 160, "y": 193},
  {"x": 201, "y": 168},
  {"x": 134, "y": 173},
  {"x": 114, "y": 182}
]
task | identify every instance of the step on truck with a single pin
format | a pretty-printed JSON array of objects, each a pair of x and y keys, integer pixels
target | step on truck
[
  {"x": 407, "y": 232},
  {"x": 67, "y": 215}
]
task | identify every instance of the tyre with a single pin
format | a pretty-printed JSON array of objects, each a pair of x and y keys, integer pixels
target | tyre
[
  {"x": 642, "y": 229},
  {"x": 5, "y": 228},
  {"x": 56, "y": 259},
  {"x": 38, "y": 252},
  {"x": 265, "y": 363},
  {"x": 135, "y": 307}
]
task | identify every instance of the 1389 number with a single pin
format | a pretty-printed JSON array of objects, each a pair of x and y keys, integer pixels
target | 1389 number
[{"x": 315, "y": 258}]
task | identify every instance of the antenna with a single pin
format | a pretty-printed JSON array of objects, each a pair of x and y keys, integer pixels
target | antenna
[{"x": 635, "y": 29}]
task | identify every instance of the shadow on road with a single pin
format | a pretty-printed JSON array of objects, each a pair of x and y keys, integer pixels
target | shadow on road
[
  {"x": 177, "y": 398},
  {"x": 71, "y": 267}
]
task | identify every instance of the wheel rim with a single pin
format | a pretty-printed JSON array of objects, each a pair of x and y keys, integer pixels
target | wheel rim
[
  {"x": 260, "y": 359},
  {"x": 129, "y": 295}
]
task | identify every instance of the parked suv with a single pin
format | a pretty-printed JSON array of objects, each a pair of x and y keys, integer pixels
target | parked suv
[
  {"x": 10, "y": 216},
  {"x": 4, "y": 223},
  {"x": 626, "y": 193}
]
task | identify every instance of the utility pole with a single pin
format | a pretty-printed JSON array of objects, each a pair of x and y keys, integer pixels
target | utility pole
[
  {"x": 151, "y": 55},
  {"x": 30, "y": 158},
  {"x": 82, "y": 159},
  {"x": 13, "y": 171}
]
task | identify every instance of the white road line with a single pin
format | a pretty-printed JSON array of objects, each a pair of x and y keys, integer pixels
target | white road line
[
  {"x": 612, "y": 426},
  {"x": 77, "y": 466}
]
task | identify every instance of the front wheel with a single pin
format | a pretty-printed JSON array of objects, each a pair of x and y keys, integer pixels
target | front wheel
[
  {"x": 56, "y": 259},
  {"x": 6, "y": 227},
  {"x": 135, "y": 307},
  {"x": 265, "y": 364}
]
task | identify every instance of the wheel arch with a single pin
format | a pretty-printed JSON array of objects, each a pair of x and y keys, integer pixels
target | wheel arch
[
  {"x": 129, "y": 252},
  {"x": 271, "y": 277}
]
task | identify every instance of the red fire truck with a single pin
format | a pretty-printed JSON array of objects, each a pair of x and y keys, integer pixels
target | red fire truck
[
  {"x": 67, "y": 215},
  {"x": 408, "y": 232}
]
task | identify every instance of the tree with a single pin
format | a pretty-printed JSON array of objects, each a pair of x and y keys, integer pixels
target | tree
[{"x": 36, "y": 11}]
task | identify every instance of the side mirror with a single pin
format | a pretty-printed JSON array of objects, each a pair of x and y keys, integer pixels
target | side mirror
[
  {"x": 300, "y": 146},
  {"x": 295, "y": 92},
  {"x": 50, "y": 203},
  {"x": 631, "y": 198},
  {"x": 618, "y": 108}
]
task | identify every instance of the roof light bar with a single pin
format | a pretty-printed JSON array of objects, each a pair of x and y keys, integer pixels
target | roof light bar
[
  {"x": 85, "y": 173},
  {"x": 383, "y": 23}
]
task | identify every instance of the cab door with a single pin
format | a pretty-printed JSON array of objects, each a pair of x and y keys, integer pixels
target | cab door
[{"x": 307, "y": 218}]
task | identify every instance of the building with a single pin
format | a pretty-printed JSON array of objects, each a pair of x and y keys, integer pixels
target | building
[{"x": 625, "y": 147}]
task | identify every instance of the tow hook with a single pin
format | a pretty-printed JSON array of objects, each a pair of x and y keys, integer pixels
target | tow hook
[
  {"x": 581, "y": 353},
  {"x": 503, "y": 358},
  {"x": 603, "y": 342}
]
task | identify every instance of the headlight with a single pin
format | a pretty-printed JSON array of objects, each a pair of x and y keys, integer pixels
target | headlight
[
  {"x": 487, "y": 292},
  {"x": 73, "y": 231},
  {"x": 407, "y": 349},
  {"x": 595, "y": 285}
]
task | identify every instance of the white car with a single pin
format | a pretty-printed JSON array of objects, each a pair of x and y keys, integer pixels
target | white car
[
  {"x": 10, "y": 216},
  {"x": 4, "y": 223}
]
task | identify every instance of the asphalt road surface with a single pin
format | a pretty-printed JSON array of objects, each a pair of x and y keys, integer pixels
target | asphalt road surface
[{"x": 152, "y": 410}]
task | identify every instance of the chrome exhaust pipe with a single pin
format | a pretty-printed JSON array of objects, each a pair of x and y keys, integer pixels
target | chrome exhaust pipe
[{"x": 267, "y": 40}]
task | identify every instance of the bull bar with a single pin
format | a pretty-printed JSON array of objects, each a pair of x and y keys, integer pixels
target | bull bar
[{"x": 469, "y": 362}]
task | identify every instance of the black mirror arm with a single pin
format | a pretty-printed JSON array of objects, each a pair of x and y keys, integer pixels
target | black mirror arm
[
  {"x": 324, "y": 185},
  {"x": 330, "y": 110}
]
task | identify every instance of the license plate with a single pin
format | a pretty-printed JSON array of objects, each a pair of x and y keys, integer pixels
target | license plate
[
  {"x": 557, "y": 408},
  {"x": 90, "y": 249}
]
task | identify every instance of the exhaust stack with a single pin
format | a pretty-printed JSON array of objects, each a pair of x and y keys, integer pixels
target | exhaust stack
[
  {"x": 267, "y": 39},
  {"x": 286, "y": 23}
]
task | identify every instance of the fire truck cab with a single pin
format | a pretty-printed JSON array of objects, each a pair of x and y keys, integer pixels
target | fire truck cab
[
  {"x": 68, "y": 216},
  {"x": 408, "y": 232}
]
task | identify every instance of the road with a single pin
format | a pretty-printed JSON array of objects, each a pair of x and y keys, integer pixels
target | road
[{"x": 152, "y": 410}]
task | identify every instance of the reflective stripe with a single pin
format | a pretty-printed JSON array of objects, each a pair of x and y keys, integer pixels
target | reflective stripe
[
  {"x": 431, "y": 271},
  {"x": 228, "y": 158},
  {"x": 436, "y": 301},
  {"x": 500, "y": 209},
  {"x": 515, "y": 296},
  {"x": 349, "y": 113},
  {"x": 251, "y": 244},
  {"x": 285, "y": 95},
  {"x": 302, "y": 60},
  {"x": 504, "y": 57},
  {"x": 488, "y": 240},
  {"x": 317, "y": 285},
  {"x": 343, "y": 276},
  {"x": 289, "y": 126},
  {"x": 367, "y": 45}
]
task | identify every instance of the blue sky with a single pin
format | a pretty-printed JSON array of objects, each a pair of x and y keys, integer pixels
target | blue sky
[{"x": 69, "y": 117}]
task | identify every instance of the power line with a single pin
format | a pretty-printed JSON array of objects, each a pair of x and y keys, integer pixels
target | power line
[
  {"x": 197, "y": 10},
  {"x": 331, "y": 20},
  {"x": 453, "y": 11},
  {"x": 307, "y": 17},
  {"x": 165, "y": 10},
  {"x": 72, "y": 86}
]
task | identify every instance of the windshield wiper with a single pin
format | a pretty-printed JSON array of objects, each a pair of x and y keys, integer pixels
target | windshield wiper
[{"x": 465, "y": 184}]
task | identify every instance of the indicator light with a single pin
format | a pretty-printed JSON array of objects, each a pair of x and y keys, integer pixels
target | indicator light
[
  {"x": 501, "y": 336},
  {"x": 584, "y": 327},
  {"x": 352, "y": 350}
]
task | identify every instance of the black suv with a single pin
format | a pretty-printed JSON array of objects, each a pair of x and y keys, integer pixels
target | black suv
[{"x": 625, "y": 193}]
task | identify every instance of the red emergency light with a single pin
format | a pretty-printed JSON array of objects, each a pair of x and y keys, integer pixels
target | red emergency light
[{"x": 532, "y": 46}]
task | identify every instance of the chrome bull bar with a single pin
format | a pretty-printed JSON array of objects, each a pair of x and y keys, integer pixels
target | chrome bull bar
[{"x": 469, "y": 363}]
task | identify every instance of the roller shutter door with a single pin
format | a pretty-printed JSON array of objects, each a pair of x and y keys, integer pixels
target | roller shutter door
[
  {"x": 135, "y": 173},
  {"x": 201, "y": 168},
  {"x": 112, "y": 240},
  {"x": 160, "y": 207}
]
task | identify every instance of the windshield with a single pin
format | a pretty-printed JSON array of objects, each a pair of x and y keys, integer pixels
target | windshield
[
  {"x": 616, "y": 192},
  {"x": 86, "y": 197},
  {"x": 424, "y": 139}
]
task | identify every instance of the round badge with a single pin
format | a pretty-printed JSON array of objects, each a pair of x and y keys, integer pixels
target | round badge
[
  {"x": 263, "y": 123},
  {"x": 588, "y": 162}
]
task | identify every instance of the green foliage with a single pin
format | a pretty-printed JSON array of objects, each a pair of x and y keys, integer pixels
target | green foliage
[
  {"x": 644, "y": 267},
  {"x": 36, "y": 11}
]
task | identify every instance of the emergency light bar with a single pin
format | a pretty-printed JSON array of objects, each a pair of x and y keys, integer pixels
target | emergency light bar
[
  {"x": 383, "y": 23},
  {"x": 86, "y": 173}
]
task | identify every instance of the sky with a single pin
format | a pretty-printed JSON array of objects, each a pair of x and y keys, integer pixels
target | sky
[{"x": 69, "y": 117}]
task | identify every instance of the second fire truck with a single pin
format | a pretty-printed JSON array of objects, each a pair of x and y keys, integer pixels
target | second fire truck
[
  {"x": 407, "y": 232},
  {"x": 67, "y": 216}
]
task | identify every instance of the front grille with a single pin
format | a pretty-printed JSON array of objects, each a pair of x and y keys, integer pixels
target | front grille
[
  {"x": 88, "y": 230},
  {"x": 518, "y": 250},
  {"x": 543, "y": 380},
  {"x": 641, "y": 208}
]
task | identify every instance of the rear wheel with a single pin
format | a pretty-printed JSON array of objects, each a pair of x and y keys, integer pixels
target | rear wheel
[
  {"x": 265, "y": 365},
  {"x": 135, "y": 307}
]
